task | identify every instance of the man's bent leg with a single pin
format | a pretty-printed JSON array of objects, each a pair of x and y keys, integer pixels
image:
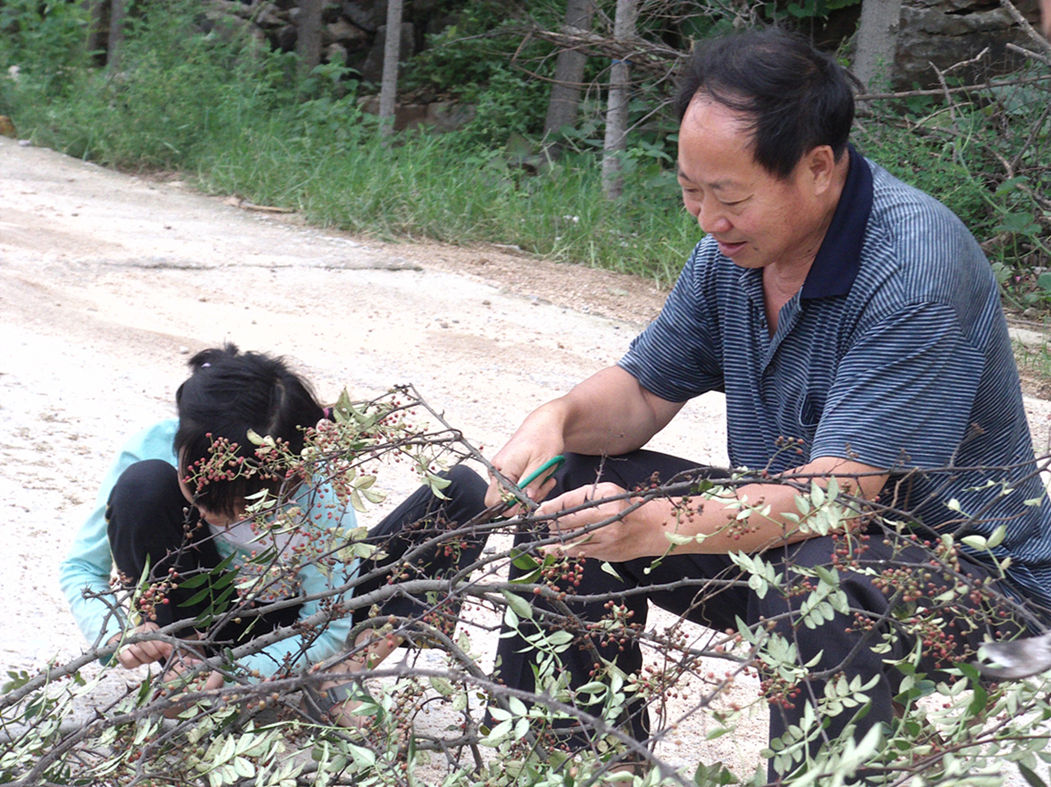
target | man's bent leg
[
  {"x": 843, "y": 646},
  {"x": 585, "y": 657},
  {"x": 421, "y": 517}
]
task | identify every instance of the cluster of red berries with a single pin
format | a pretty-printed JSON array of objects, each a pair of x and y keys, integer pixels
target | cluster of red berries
[{"x": 156, "y": 594}]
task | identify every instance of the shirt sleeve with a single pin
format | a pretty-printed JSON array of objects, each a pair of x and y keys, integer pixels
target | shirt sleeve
[
  {"x": 324, "y": 512},
  {"x": 676, "y": 357},
  {"x": 84, "y": 575},
  {"x": 903, "y": 394}
]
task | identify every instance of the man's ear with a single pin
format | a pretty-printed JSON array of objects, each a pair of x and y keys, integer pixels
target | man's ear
[{"x": 820, "y": 168}]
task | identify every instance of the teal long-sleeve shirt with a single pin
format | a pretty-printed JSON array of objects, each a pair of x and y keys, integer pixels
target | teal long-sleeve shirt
[{"x": 85, "y": 573}]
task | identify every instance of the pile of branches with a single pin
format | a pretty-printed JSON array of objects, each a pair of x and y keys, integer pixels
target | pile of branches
[{"x": 441, "y": 718}]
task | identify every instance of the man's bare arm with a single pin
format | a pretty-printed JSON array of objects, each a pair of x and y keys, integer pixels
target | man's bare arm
[{"x": 608, "y": 413}]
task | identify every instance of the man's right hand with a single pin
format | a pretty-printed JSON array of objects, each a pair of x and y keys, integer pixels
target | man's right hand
[
  {"x": 609, "y": 413},
  {"x": 138, "y": 653},
  {"x": 537, "y": 440}
]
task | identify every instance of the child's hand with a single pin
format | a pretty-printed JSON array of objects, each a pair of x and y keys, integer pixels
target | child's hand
[
  {"x": 206, "y": 681},
  {"x": 138, "y": 653}
]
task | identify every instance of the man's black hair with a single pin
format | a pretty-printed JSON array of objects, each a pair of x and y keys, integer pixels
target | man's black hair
[
  {"x": 227, "y": 394},
  {"x": 795, "y": 97}
]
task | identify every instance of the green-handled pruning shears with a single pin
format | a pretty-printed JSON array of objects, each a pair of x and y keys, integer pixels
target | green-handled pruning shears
[
  {"x": 545, "y": 471},
  {"x": 549, "y": 467}
]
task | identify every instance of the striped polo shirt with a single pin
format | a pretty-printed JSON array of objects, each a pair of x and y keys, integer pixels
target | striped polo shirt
[{"x": 894, "y": 353}]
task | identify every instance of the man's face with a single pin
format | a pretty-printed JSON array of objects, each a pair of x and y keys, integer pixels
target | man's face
[{"x": 757, "y": 219}]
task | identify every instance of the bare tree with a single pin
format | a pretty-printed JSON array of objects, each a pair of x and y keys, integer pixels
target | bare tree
[
  {"x": 569, "y": 72},
  {"x": 391, "y": 56},
  {"x": 95, "y": 10},
  {"x": 117, "y": 12},
  {"x": 876, "y": 39},
  {"x": 308, "y": 35},
  {"x": 617, "y": 105}
]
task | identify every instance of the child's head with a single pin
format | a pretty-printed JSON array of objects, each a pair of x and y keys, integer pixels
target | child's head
[{"x": 227, "y": 394}]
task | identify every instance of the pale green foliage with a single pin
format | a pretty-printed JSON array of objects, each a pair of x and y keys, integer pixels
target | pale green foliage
[{"x": 953, "y": 729}]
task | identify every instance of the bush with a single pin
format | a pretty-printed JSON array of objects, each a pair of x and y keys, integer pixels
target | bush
[{"x": 979, "y": 152}]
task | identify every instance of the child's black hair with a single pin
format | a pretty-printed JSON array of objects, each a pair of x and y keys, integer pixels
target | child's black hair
[{"x": 227, "y": 394}]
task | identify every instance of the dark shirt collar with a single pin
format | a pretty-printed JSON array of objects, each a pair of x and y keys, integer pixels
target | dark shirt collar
[{"x": 839, "y": 258}]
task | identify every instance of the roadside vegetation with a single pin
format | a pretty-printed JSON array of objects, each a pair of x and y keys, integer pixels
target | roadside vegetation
[{"x": 237, "y": 118}]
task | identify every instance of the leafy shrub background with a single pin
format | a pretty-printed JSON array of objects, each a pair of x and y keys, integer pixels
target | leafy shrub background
[{"x": 236, "y": 118}]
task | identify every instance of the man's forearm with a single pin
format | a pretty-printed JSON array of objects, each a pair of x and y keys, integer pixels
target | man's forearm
[{"x": 610, "y": 413}]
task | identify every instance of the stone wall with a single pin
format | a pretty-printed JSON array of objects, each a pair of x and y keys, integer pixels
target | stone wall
[
  {"x": 947, "y": 32},
  {"x": 352, "y": 34},
  {"x": 942, "y": 32}
]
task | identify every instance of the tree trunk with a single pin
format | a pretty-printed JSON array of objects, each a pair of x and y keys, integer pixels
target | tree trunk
[
  {"x": 308, "y": 35},
  {"x": 95, "y": 10},
  {"x": 564, "y": 102},
  {"x": 876, "y": 41},
  {"x": 617, "y": 105},
  {"x": 391, "y": 56},
  {"x": 117, "y": 11}
]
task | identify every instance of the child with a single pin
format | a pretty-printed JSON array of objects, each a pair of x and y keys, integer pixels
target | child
[{"x": 162, "y": 513}]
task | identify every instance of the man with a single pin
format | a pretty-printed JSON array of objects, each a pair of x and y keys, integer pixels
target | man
[{"x": 856, "y": 330}]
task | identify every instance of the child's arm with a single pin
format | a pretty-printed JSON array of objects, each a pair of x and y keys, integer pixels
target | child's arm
[
  {"x": 86, "y": 570},
  {"x": 88, "y": 564}
]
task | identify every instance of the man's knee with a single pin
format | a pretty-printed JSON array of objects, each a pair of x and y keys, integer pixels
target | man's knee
[{"x": 466, "y": 484}]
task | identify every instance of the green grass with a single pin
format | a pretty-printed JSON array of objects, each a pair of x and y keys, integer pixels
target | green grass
[
  {"x": 1033, "y": 356},
  {"x": 235, "y": 122},
  {"x": 235, "y": 119}
]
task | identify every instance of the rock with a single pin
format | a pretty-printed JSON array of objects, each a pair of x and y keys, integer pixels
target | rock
[
  {"x": 345, "y": 33},
  {"x": 268, "y": 15},
  {"x": 449, "y": 115},
  {"x": 285, "y": 38},
  {"x": 947, "y": 32},
  {"x": 335, "y": 53},
  {"x": 366, "y": 14}
]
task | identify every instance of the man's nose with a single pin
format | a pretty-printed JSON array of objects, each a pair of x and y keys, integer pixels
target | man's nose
[{"x": 712, "y": 217}]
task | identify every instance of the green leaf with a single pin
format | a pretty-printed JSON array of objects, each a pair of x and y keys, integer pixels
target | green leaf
[
  {"x": 557, "y": 638},
  {"x": 1030, "y": 776},
  {"x": 997, "y": 537},
  {"x": 442, "y": 686},
  {"x": 523, "y": 560},
  {"x": 523, "y": 609},
  {"x": 243, "y": 768},
  {"x": 979, "y": 700},
  {"x": 714, "y": 774}
]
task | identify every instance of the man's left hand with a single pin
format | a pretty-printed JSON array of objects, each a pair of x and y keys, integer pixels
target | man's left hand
[{"x": 633, "y": 531}]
